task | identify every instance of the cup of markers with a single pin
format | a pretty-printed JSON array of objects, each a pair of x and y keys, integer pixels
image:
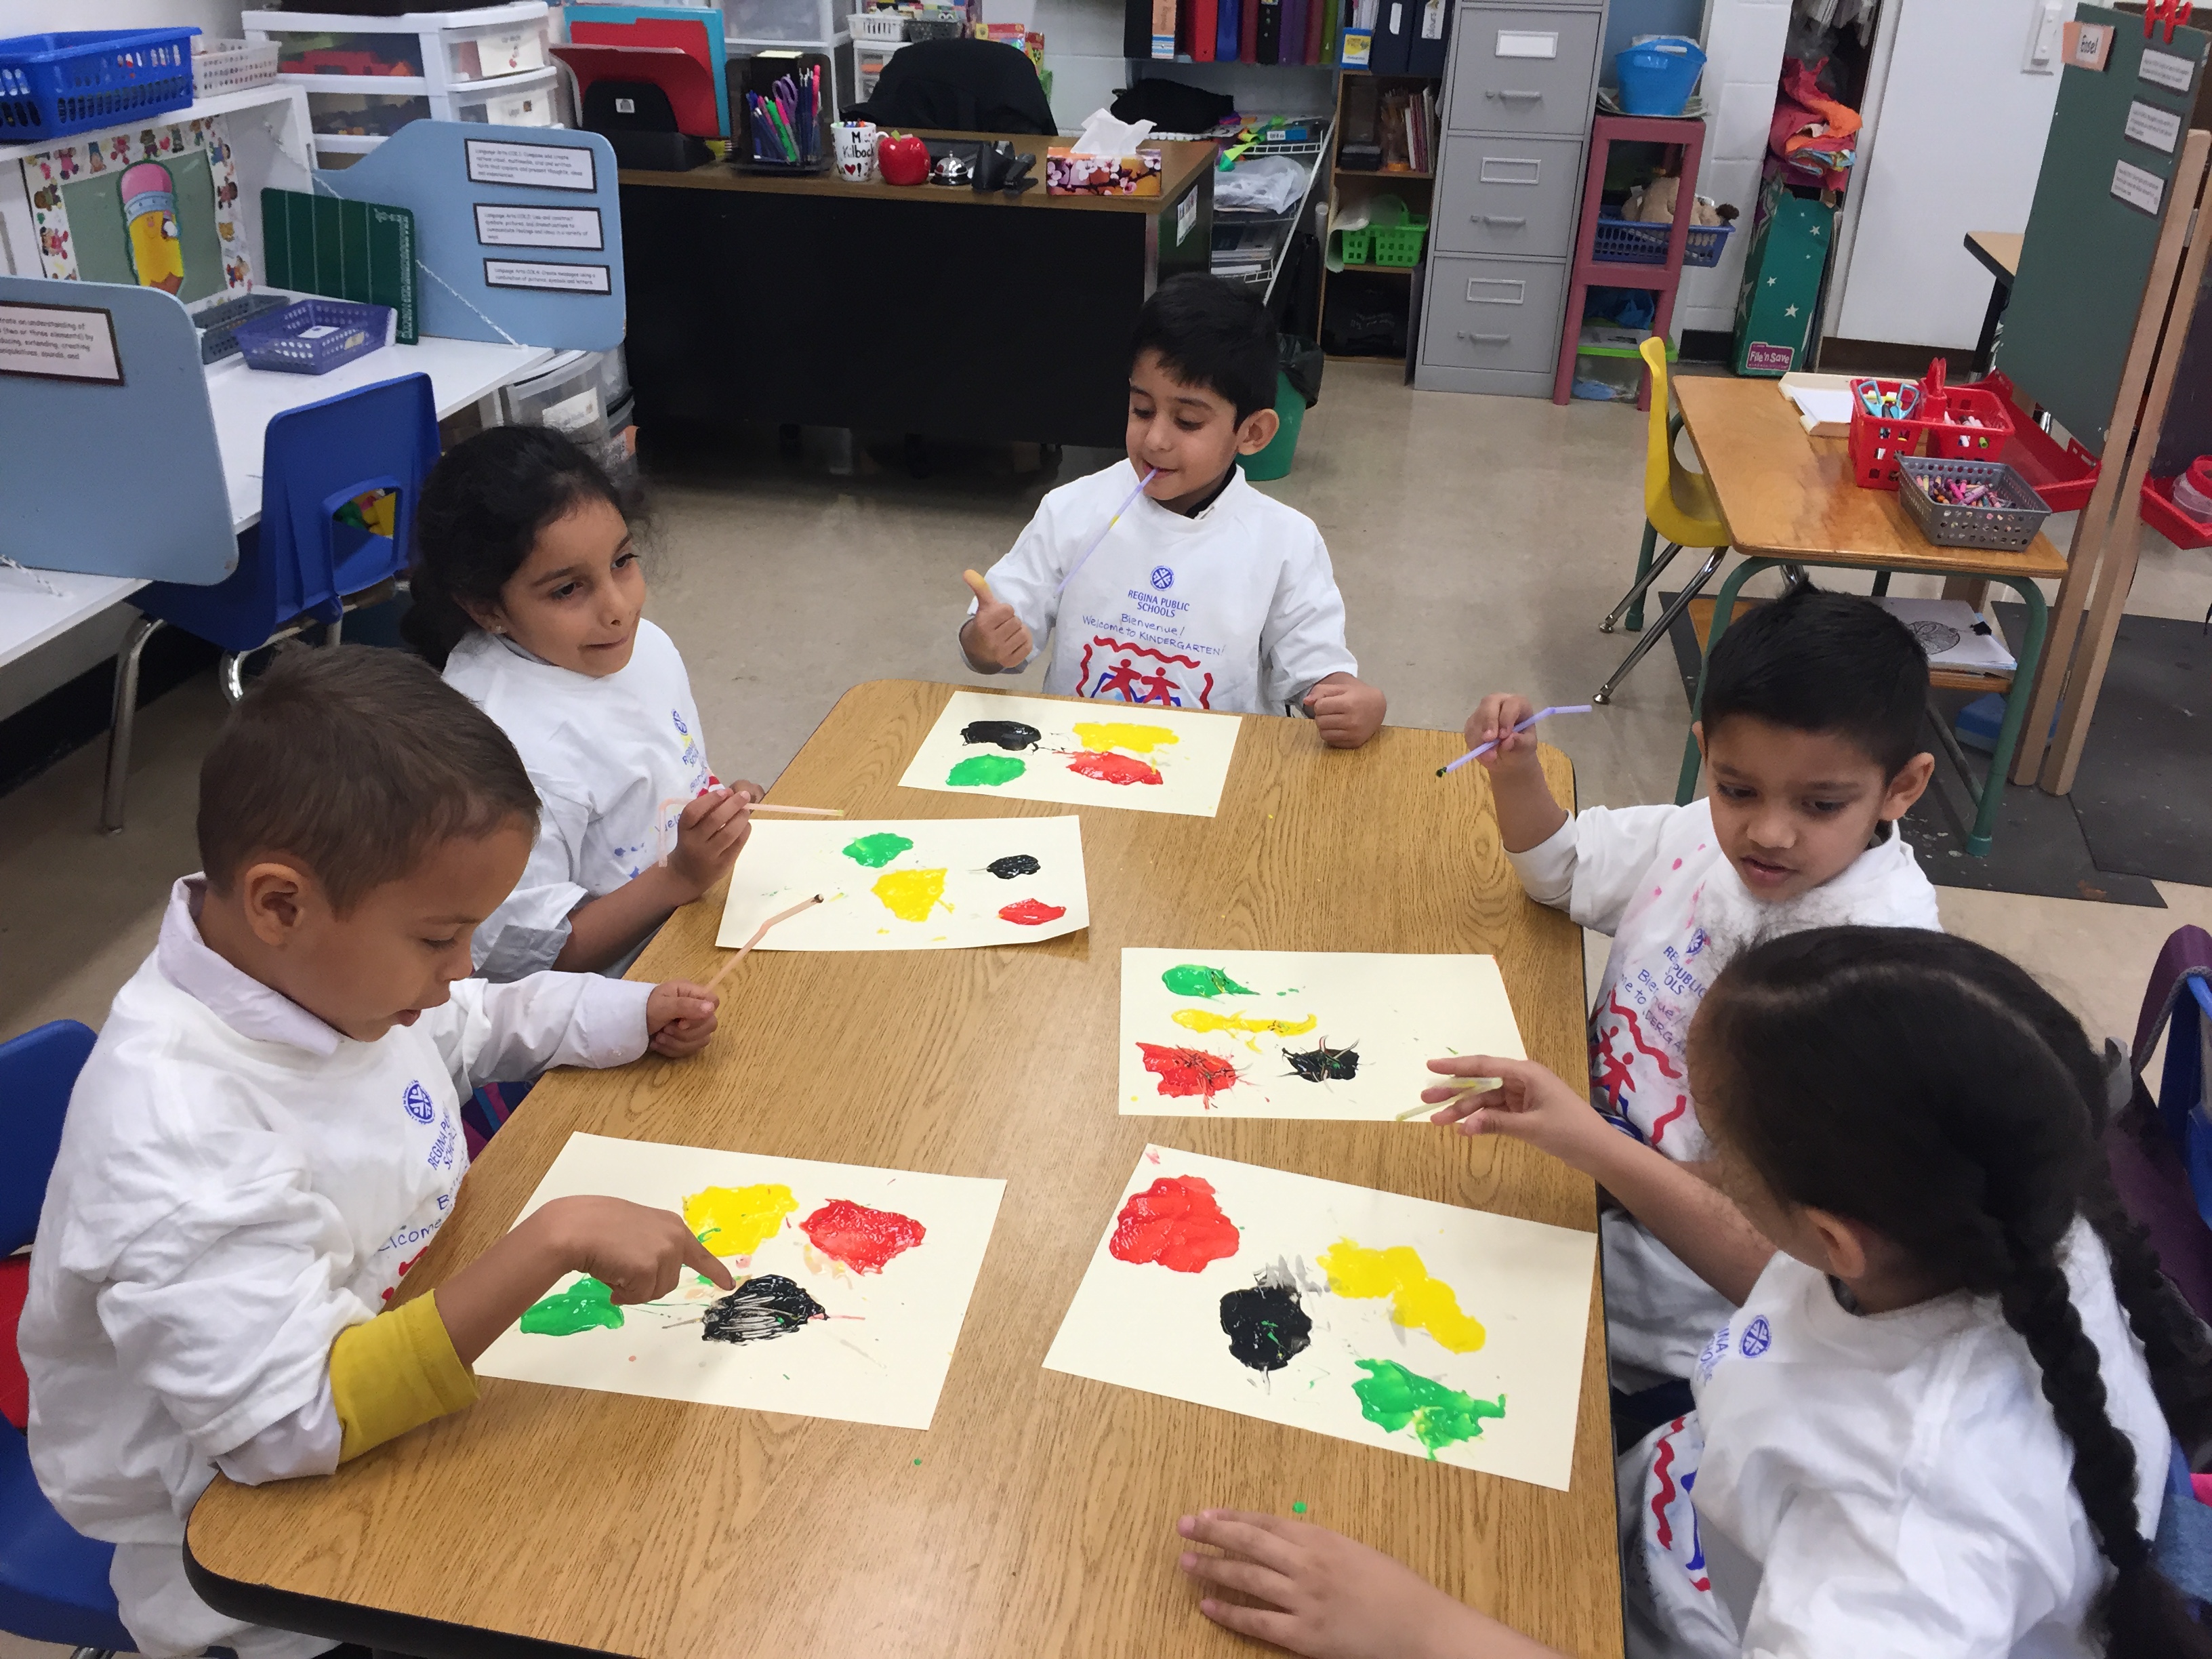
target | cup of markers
[
  {"x": 784, "y": 125},
  {"x": 856, "y": 141}
]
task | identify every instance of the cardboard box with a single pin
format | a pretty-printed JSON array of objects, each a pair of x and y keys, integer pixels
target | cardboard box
[
  {"x": 1069, "y": 174},
  {"x": 1779, "y": 304}
]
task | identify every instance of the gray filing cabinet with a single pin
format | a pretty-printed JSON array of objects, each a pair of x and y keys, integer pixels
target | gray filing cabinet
[{"x": 1517, "y": 103}]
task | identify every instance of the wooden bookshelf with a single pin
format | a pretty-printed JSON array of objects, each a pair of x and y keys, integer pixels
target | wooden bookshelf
[{"x": 1360, "y": 95}]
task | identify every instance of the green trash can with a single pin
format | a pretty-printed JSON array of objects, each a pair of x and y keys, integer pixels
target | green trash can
[{"x": 1274, "y": 461}]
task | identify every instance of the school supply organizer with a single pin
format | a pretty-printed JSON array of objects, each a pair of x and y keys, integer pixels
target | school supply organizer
[
  {"x": 315, "y": 336},
  {"x": 1891, "y": 419},
  {"x": 1632, "y": 242},
  {"x": 52, "y": 85},
  {"x": 1960, "y": 503},
  {"x": 222, "y": 66},
  {"x": 782, "y": 122},
  {"x": 2063, "y": 474}
]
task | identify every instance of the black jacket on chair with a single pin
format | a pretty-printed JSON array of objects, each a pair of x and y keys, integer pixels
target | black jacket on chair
[{"x": 961, "y": 86}]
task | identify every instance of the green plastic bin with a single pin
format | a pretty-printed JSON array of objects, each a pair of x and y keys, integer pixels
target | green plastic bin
[{"x": 1274, "y": 461}]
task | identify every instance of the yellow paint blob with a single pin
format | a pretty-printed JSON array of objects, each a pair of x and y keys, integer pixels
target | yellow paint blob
[
  {"x": 1205, "y": 1019},
  {"x": 1100, "y": 735},
  {"x": 1417, "y": 1300},
  {"x": 737, "y": 1220},
  {"x": 910, "y": 894}
]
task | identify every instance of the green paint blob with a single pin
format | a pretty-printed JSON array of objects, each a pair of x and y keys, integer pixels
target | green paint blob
[
  {"x": 1189, "y": 979},
  {"x": 585, "y": 1305},
  {"x": 992, "y": 769},
  {"x": 1298, "y": 1507},
  {"x": 877, "y": 850},
  {"x": 1393, "y": 1397}
]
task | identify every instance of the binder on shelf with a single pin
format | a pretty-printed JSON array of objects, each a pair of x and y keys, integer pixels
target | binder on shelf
[
  {"x": 1325, "y": 18},
  {"x": 1270, "y": 31},
  {"x": 1314, "y": 34},
  {"x": 1292, "y": 48},
  {"x": 1227, "y": 33},
  {"x": 1357, "y": 46},
  {"x": 1205, "y": 29},
  {"x": 1247, "y": 33},
  {"x": 1431, "y": 36},
  {"x": 1393, "y": 32},
  {"x": 1164, "y": 29}
]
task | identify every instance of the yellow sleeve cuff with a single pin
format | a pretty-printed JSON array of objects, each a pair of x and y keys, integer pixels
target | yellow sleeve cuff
[{"x": 395, "y": 1373}]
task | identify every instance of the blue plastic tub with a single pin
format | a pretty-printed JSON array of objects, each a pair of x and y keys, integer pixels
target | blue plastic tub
[
  {"x": 54, "y": 85},
  {"x": 314, "y": 335},
  {"x": 1657, "y": 76},
  {"x": 1632, "y": 242}
]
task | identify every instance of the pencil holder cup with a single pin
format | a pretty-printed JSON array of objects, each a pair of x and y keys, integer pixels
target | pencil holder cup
[{"x": 856, "y": 150}]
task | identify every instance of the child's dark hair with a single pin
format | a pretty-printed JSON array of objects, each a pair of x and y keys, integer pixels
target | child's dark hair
[
  {"x": 354, "y": 760},
  {"x": 1972, "y": 1145},
  {"x": 1209, "y": 334},
  {"x": 481, "y": 510},
  {"x": 1815, "y": 661}
]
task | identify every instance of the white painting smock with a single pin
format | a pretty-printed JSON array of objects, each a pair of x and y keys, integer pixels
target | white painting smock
[
  {"x": 1235, "y": 608},
  {"x": 237, "y": 1183},
  {"x": 1655, "y": 879},
  {"x": 1894, "y": 1483},
  {"x": 615, "y": 759}
]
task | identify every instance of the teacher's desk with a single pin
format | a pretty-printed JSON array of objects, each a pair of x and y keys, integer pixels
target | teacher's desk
[
  {"x": 1036, "y": 1514},
  {"x": 938, "y": 310}
]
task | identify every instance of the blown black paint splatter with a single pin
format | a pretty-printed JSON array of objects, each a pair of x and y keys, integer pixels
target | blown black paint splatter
[
  {"x": 1325, "y": 1064},
  {"x": 1014, "y": 864},
  {"x": 1007, "y": 734},
  {"x": 768, "y": 1306},
  {"x": 1265, "y": 1326}
]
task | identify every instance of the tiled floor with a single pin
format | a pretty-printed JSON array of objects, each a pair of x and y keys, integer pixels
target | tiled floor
[{"x": 1477, "y": 541}]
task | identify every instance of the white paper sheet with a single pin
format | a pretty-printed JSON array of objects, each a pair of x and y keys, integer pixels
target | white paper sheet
[
  {"x": 880, "y": 1346},
  {"x": 908, "y": 884},
  {"x": 1484, "y": 1368},
  {"x": 1823, "y": 403},
  {"x": 1148, "y": 759},
  {"x": 1301, "y": 1033}
]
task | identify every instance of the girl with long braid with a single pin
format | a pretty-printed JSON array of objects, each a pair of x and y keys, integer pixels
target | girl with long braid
[{"x": 1941, "y": 1420}]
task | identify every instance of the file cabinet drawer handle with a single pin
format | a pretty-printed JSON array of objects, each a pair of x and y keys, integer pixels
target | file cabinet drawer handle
[
  {"x": 1503, "y": 291},
  {"x": 1500, "y": 92},
  {"x": 1500, "y": 219},
  {"x": 1511, "y": 170},
  {"x": 1485, "y": 339}
]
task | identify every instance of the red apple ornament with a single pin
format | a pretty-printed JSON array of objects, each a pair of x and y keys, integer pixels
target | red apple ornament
[{"x": 902, "y": 158}]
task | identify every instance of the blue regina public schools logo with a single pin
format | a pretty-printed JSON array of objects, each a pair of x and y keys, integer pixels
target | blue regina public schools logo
[
  {"x": 1162, "y": 578},
  {"x": 417, "y": 1102}
]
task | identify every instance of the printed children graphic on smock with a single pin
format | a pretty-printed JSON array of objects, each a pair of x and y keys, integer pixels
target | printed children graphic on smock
[
  {"x": 1235, "y": 608},
  {"x": 1640, "y": 1030},
  {"x": 616, "y": 758}
]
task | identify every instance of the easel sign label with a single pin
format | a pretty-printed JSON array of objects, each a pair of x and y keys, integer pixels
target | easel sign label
[
  {"x": 536, "y": 167},
  {"x": 500, "y": 225},
  {"x": 548, "y": 278},
  {"x": 2136, "y": 188},
  {"x": 59, "y": 343},
  {"x": 2159, "y": 128},
  {"x": 2164, "y": 70},
  {"x": 2088, "y": 45}
]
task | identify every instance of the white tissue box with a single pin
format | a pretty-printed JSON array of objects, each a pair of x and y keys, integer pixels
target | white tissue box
[{"x": 1067, "y": 173}]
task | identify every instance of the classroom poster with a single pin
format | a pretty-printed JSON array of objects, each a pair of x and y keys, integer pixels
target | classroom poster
[
  {"x": 1442, "y": 1332},
  {"x": 909, "y": 885},
  {"x": 77, "y": 209},
  {"x": 1304, "y": 1034},
  {"x": 852, "y": 1287},
  {"x": 1084, "y": 753}
]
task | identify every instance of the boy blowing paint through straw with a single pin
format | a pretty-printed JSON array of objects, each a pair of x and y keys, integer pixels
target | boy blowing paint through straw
[
  {"x": 1203, "y": 592},
  {"x": 267, "y": 1135}
]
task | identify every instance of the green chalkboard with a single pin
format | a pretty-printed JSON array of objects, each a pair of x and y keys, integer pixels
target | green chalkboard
[
  {"x": 2088, "y": 252},
  {"x": 360, "y": 250}
]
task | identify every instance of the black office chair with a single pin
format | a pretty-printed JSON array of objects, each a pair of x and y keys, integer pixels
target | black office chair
[{"x": 962, "y": 85}]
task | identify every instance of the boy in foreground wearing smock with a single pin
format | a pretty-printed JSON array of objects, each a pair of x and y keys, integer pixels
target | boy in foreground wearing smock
[
  {"x": 267, "y": 1135},
  {"x": 1204, "y": 593}
]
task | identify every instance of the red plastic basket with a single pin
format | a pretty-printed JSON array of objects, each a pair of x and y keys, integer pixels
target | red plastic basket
[
  {"x": 2161, "y": 513},
  {"x": 1959, "y": 424},
  {"x": 1878, "y": 440},
  {"x": 2063, "y": 474}
]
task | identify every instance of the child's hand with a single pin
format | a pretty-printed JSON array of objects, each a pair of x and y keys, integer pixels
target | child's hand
[
  {"x": 1533, "y": 1105},
  {"x": 708, "y": 837},
  {"x": 1346, "y": 711},
  {"x": 1327, "y": 1596},
  {"x": 637, "y": 1252},
  {"x": 994, "y": 635},
  {"x": 680, "y": 1017},
  {"x": 1494, "y": 719}
]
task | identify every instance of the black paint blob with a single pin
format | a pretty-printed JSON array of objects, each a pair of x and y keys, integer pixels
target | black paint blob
[
  {"x": 1007, "y": 734},
  {"x": 1014, "y": 864},
  {"x": 770, "y": 1305},
  {"x": 1324, "y": 1064},
  {"x": 1267, "y": 1327}
]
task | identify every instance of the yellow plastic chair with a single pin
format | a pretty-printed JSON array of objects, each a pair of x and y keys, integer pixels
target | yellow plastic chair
[{"x": 1679, "y": 505}]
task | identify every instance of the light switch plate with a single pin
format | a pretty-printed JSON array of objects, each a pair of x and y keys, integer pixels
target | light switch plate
[{"x": 2046, "y": 18}]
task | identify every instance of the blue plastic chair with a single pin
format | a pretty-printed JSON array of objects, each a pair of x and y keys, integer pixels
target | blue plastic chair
[
  {"x": 53, "y": 1580},
  {"x": 298, "y": 568}
]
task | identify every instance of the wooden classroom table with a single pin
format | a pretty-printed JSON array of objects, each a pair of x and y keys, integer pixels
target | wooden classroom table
[
  {"x": 1036, "y": 1516},
  {"x": 1791, "y": 499},
  {"x": 929, "y": 309}
]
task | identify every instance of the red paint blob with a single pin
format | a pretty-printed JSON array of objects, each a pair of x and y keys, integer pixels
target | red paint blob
[
  {"x": 1032, "y": 912},
  {"x": 1175, "y": 1222},
  {"x": 1189, "y": 1071},
  {"x": 862, "y": 1238},
  {"x": 1110, "y": 768}
]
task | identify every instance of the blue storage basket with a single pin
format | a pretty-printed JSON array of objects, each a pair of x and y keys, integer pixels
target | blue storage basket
[
  {"x": 1657, "y": 76},
  {"x": 54, "y": 85},
  {"x": 314, "y": 335},
  {"x": 1631, "y": 242}
]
